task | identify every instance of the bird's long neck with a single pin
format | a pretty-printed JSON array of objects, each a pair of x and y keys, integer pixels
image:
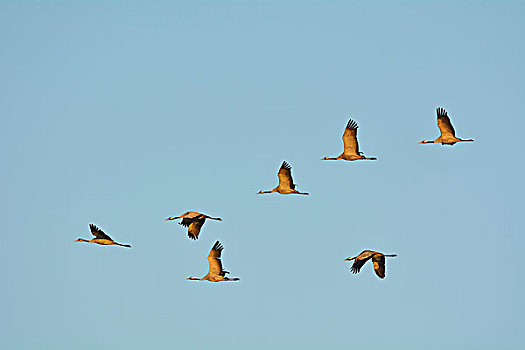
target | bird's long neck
[
  {"x": 428, "y": 141},
  {"x": 82, "y": 240},
  {"x": 272, "y": 191},
  {"x": 194, "y": 279},
  {"x": 332, "y": 158}
]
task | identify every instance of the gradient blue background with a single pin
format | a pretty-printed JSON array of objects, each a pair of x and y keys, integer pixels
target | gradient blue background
[{"x": 124, "y": 113}]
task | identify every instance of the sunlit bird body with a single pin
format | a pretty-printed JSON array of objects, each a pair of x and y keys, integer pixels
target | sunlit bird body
[
  {"x": 215, "y": 273},
  {"x": 193, "y": 221},
  {"x": 377, "y": 258},
  {"x": 286, "y": 185},
  {"x": 100, "y": 238},
  {"x": 351, "y": 146},
  {"x": 448, "y": 134}
]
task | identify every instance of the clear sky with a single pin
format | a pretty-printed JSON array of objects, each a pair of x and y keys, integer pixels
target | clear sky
[{"x": 123, "y": 113}]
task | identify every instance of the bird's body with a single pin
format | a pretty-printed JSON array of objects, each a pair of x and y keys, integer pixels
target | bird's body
[
  {"x": 193, "y": 221},
  {"x": 351, "y": 146},
  {"x": 100, "y": 238},
  {"x": 215, "y": 273},
  {"x": 377, "y": 258},
  {"x": 286, "y": 185},
  {"x": 448, "y": 134}
]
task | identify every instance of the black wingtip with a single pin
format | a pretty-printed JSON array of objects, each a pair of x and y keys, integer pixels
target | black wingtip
[
  {"x": 218, "y": 246},
  {"x": 285, "y": 165},
  {"x": 441, "y": 112},
  {"x": 352, "y": 124}
]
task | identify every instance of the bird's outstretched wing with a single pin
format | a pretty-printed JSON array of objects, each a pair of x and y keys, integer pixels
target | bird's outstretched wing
[
  {"x": 351, "y": 147},
  {"x": 195, "y": 228},
  {"x": 360, "y": 260},
  {"x": 379, "y": 265},
  {"x": 214, "y": 259},
  {"x": 98, "y": 233},
  {"x": 186, "y": 222},
  {"x": 444, "y": 124},
  {"x": 285, "y": 176}
]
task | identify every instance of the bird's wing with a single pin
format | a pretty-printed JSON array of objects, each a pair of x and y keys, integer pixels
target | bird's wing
[
  {"x": 350, "y": 138},
  {"x": 195, "y": 228},
  {"x": 360, "y": 260},
  {"x": 444, "y": 124},
  {"x": 379, "y": 265},
  {"x": 98, "y": 233},
  {"x": 186, "y": 222},
  {"x": 285, "y": 176},
  {"x": 357, "y": 265},
  {"x": 214, "y": 259}
]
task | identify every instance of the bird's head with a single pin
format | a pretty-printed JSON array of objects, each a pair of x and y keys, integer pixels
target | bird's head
[
  {"x": 170, "y": 218},
  {"x": 349, "y": 259},
  {"x": 260, "y": 192},
  {"x": 79, "y": 240},
  {"x": 193, "y": 278},
  {"x": 325, "y": 158}
]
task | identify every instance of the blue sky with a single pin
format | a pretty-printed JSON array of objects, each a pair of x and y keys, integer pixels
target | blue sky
[{"x": 124, "y": 113}]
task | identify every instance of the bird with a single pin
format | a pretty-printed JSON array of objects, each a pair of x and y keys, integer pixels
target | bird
[
  {"x": 351, "y": 146},
  {"x": 448, "y": 134},
  {"x": 286, "y": 185},
  {"x": 193, "y": 221},
  {"x": 100, "y": 238},
  {"x": 215, "y": 273},
  {"x": 377, "y": 258}
]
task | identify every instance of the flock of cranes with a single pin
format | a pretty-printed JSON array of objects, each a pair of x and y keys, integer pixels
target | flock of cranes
[{"x": 194, "y": 220}]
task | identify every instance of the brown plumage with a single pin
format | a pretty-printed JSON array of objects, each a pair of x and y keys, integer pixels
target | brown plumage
[
  {"x": 377, "y": 258},
  {"x": 193, "y": 221},
  {"x": 100, "y": 238},
  {"x": 448, "y": 134},
  {"x": 351, "y": 146},
  {"x": 286, "y": 185},
  {"x": 215, "y": 273}
]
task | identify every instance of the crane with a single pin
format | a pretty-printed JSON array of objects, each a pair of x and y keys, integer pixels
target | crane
[
  {"x": 286, "y": 185},
  {"x": 215, "y": 273},
  {"x": 448, "y": 134},
  {"x": 351, "y": 146},
  {"x": 193, "y": 221},
  {"x": 100, "y": 238},
  {"x": 377, "y": 258}
]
